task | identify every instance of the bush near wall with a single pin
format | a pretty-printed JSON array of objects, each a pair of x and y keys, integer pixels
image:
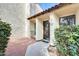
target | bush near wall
[
  {"x": 67, "y": 39},
  {"x": 5, "y": 32}
]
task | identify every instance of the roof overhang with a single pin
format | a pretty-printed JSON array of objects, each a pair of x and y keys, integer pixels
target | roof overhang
[{"x": 49, "y": 10}]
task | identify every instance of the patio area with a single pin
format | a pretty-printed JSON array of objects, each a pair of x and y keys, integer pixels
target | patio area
[{"x": 18, "y": 47}]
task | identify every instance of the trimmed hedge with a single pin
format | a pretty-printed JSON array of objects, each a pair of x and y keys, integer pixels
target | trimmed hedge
[
  {"x": 5, "y": 32},
  {"x": 67, "y": 39}
]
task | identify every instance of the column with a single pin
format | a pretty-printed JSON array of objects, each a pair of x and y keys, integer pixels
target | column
[
  {"x": 77, "y": 17},
  {"x": 28, "y": 28},
  {"x": 39, "y": 29},
  {"x": 54, "y": 23}
]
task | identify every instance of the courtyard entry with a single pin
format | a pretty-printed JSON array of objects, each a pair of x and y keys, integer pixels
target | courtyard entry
[{"x": 46, "y": 30}]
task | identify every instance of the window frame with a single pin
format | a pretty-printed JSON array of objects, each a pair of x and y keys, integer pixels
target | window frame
[{"x": 66, "y": 17}]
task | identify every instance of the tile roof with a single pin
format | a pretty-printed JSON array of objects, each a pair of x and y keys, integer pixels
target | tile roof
[{"x": 49, "y": 10}]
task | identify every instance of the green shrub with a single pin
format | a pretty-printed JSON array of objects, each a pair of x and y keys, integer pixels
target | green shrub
[
  {"x": 5, "y": 32},
  {"x": 67, "y": 39}
]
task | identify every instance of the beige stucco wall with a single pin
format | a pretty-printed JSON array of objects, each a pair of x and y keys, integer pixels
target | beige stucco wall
[
  {"x": 38, "y": 8},
  {"x": 14, "y": 13},
  {"x": 54, "y": 23},
  {"x": 39, "y": 29},
  {"x": 77, "y": 17},
  {"x": 35, "y": 8},
  {"x": 27, "y": 22},
  {"x": 31, "y": 9},
  {"x": 32, "y": 28}
]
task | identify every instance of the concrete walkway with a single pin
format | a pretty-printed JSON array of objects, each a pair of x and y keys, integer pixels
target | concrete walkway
[
  {"x": 37, "y": 49},
  {"x": 28, "y": 47}
]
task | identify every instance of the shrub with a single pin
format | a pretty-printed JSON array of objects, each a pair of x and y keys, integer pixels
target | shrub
[
  {"x": 5, "y": 32},
  {"x": 67, "y": 39}
]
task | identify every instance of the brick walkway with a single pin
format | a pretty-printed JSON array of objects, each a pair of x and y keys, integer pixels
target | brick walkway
[{"x": 18, "y": 47}]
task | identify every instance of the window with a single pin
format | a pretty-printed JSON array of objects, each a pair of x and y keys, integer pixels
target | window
[{"x": 67, "y": 20}]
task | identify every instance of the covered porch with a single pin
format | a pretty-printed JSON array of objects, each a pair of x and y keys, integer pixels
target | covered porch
[
  {"x": 54, "y": 18},
  {"x": 42, "y": 27}
]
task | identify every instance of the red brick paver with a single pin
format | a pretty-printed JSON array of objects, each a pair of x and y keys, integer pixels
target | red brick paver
[{"x": 18, "y": 47}]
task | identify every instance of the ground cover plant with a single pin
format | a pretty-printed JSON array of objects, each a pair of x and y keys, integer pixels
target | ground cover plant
[{"x": 67, "y": 40}]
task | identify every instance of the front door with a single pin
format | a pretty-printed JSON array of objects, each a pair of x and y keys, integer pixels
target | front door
[{"x": 46, "y": 30}]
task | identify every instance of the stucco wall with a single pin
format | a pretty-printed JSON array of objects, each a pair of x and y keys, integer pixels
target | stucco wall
[
  {"x": 14, "y": 13},
  {"x": 54, "y": 23},
  {"x": 38, "y": 8},
  {"x": 27, "y": 22},
  {"x": 32, "y": 28},
  {"x": 39, "y": 29},
  {"x": 77, "y": 17},
  {"x": 35, "y": 8},
  {"x": 31, "y": 9}
]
